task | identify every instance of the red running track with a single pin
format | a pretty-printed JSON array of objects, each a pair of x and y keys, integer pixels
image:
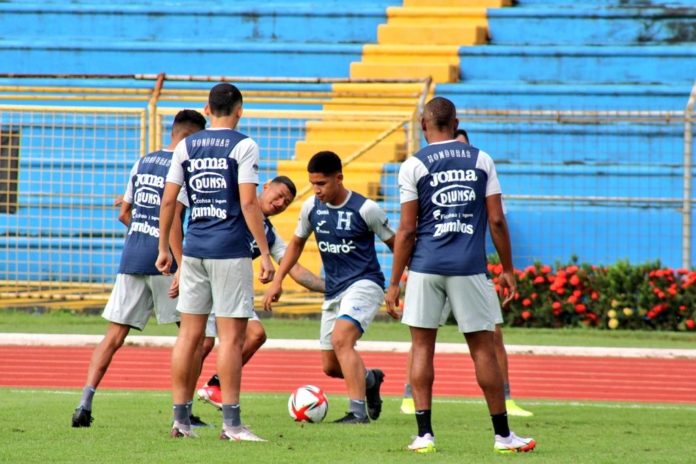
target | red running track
[{"x": 551, "y": 377}]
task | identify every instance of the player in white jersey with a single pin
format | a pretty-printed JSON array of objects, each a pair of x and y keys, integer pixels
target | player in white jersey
[
  {"x": 219, "y": 167},
  {"x": 139, "y": 286},
  {"x": 513, "y": 409},
  {"x": 449, "y": 194},
  {"x": 345, "y": 224}
]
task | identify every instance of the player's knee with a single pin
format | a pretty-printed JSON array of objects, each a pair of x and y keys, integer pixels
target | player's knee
[
  {"x": 256, "y": 336},
  {"x": 208, "y": 345},
  {"x": 333, "y": 371}
]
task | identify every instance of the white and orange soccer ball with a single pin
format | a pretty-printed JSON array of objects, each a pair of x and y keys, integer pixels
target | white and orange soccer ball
[{"x": 308, "y": 404}]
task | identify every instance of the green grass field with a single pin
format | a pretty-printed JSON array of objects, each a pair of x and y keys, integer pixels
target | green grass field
[
  {"x": 66, "y": 322},
  {"x": 132, "y": 427}
]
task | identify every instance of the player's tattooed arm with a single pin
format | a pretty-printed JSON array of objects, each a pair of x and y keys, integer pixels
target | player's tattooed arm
[{"x": 307, "y": 279}]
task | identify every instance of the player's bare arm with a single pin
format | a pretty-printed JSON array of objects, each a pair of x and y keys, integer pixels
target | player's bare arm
[
  {"x": 254, "y": 221},
  {"x": 404, "y": 240},
  {"x": 390, "y": 243},
  {"x": 125, "y": 214},
  {"x": 307, "y": 278},
  {"x": 167, "y": 210},
  {"x": 501, "y": 239},
  {"x": 176, "y": 239},
  {"x": 292, "y": 254}
]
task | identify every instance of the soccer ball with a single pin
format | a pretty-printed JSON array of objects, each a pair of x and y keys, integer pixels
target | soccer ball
[{"x": 308, "y": 404}]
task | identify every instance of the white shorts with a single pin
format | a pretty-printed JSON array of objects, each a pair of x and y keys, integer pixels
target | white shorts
[
  {"x": 222, "y": 286},
  {"x": 360, "y": 302},
  {"x": 473, "y": 300},
  {"x": 134, "y": 297},
  {"x": 211, "y": 325}
]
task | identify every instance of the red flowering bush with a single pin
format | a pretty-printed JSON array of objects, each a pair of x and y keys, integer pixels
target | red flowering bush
[{"x": 619, "y": 296}]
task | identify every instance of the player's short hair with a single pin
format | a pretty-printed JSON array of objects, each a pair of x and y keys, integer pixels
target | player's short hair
[
  {"x": 462, "y": 132},
  {"x": 440, "y": 112},
  {"x": 286, "y": 181},
  {"x": 189, "y": 119},
  {"x": 325, "y": 162},
  {"x": 223, "y": 99}
]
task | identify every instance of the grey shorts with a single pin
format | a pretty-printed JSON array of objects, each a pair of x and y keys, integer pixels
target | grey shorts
[
  {"x": 222, "y": 286},
  {"x": 472, "y": 298},
  {"x": 360, "y": 302},
  {"x": 211, "y": 325},
  {"x": 135, "y": 296}
]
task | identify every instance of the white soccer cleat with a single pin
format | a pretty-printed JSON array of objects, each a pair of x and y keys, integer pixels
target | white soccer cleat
[
  {"x": 181, "y": 431},
  {"x": 241, "y": 433},
  {"x": 424, "y": 444},
  {"x": 513, "y": 444}
]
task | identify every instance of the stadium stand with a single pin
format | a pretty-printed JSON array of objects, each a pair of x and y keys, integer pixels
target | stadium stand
[{"x": 482, "y": 54}]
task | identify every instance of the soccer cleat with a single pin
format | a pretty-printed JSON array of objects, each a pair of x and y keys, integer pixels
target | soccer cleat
[
  {"x": 196, "y": 421},
  {"x": 82, "y": 418},
  {"x": 241, "y": 433},
  {"x": 424, "y": 444},
  {"x": 374, "y": 401},
  {"x": 408, "y": 406},
  {"x": 181, "y": 431},
  {"x": 351, "y": 418},
  {"x": 513, "y": 444},
  {"x": 514, "y": 410},
  {"x": 211, "y": 394}
]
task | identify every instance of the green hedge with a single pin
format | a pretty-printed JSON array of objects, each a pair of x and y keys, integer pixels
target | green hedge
[{"x": 619, "y": 296}]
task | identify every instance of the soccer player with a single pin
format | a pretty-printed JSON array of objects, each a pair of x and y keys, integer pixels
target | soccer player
[
  {"x": 139, "y": 285},
  {"x": 274, "y": 199},
  {"x": 344, "y": 224},
  {"x": 513, "y": 409},
  {"x": 219, "y": 167},
  {"x": 449, "y": 192}
]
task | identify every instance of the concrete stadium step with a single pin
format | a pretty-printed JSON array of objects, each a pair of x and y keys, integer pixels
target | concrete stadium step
[
  {"x": 384, "y": 152},
  {"x": 432, "y": 34},
  {"x": 439, "y": 72},
  {"x": 566, "y": 96},
  {"x": 423, "y": 54},
  {"x": 229, "y": 58},
  {"x": 456, "y": 16},
  {"x": 606, "y": 143},
  {"x": 327, "y": 22},
  {"x": 583, "y": 64},
  {"x": 592, "y": 24},
  {"x": 457, "y": 3},
  {"x": 364, "y": 131}
]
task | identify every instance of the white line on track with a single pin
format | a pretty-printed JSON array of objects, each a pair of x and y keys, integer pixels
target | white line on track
[{"x": 25, "y": 339}]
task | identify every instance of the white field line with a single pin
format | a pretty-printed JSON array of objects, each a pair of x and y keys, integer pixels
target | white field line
[
  {"x": 25, "y": 339},
  {"x": 527, "y": 402}
]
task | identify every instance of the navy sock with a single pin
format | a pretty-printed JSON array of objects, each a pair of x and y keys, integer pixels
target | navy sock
[
  {"x": 357, "y": 407},
  {"x": 232, "y": 415},
  {"x": 181, "y": 415},
  {"x": 408, "y": 393},
  {"x": 500, "y": 424},
  {"x": 424, "y": 423},
  {"x": 87, "y": 397}
]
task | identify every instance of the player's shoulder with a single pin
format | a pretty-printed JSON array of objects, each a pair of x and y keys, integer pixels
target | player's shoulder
[
  {"x": 308, "y": 205},
  {"x": 484, "y": 160}
]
